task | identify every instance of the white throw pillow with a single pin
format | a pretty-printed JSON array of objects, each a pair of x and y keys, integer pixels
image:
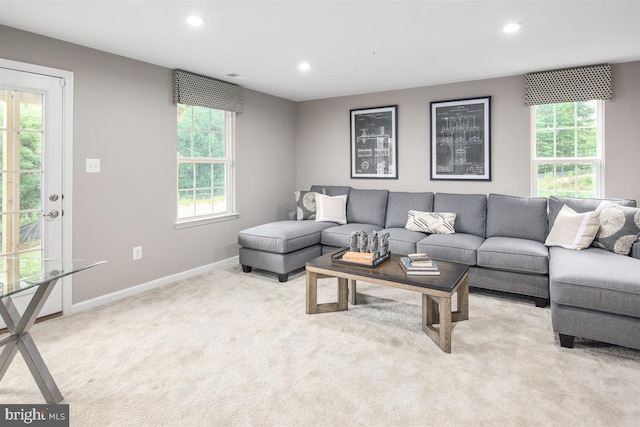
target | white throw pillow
[
  {"x": 573, "y": 230},
  {"x": 331, "y": 208},
  {"x": 431, "y": 222}
]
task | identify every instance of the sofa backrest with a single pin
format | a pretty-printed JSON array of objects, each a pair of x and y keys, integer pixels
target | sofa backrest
[
  {"x": 331, "y": 190},
  {"x": 367, "y": 206},
  {"x": 580, "y": 205},
  {"x": 400, "y": 203},
  {"x": 519, "y": 217},
  {"x": 470, "y": 210}
]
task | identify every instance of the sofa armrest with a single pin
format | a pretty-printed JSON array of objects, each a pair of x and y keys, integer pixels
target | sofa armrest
[{"x": 635, "y": 250}]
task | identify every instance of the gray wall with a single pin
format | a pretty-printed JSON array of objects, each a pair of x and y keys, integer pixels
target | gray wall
[
  {"x": 123, "y": 115},
  {"x": 323, "y": 137},
  {"x": 622, "y": 133}
]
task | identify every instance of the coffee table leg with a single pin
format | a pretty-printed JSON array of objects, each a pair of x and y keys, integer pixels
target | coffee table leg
[
  {"x": 354, "y": 292},
  {"x": 437, "y": 310},
  {"x": 312, "y": 306},
  {"x": 343, "y": 297},
  {"x": 312, "y": 292},
  {"x": 463, "y": 301}
]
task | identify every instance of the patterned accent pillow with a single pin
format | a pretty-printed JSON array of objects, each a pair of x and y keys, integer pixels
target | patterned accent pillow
[
  {"x": 305, "y": 205},
  {"x": 619, "y": 228},
  {"x": 431, "y": 222},
  {"x": 573, "y": 230}
]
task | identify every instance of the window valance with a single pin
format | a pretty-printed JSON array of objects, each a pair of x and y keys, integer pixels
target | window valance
[
  {"x": 568, "y": 85},
  {"x": 195, "y": 89}
]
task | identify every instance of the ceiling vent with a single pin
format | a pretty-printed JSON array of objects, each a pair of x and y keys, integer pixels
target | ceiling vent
[{"x": 237, "y": 76}]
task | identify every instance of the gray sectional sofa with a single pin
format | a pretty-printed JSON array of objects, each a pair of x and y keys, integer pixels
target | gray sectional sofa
[{"x": 594, "y": 293}]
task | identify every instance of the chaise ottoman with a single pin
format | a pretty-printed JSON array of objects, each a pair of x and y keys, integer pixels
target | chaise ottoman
[{"x": 281, "y": 247}]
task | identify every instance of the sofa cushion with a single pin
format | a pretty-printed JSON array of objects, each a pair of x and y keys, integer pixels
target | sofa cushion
[
  {"x": 514, "y": 254},
  {"x": 367, "y": 206},
  {"x": 400, "y": 203},
  {"x": 619, "y": 228},
  {"x": 470, "y": 210},
  {"x": 459, "y": 247},
  {"x": 305, "y": 205},
  {"x": 574, "y": 230},
  {"x": 580, "y": 205},
  {"x": 331, "y": 190},
  {"x": 431, "y": 222},
  {"x": 331, "y": 208},
  {"x": 339, "y": 236},
  {"x": 282, "y": 236},
  {"x": 580, "y": 279},
  {"x": 402, "y": 241},
  {"x": 517, "y": 217}
]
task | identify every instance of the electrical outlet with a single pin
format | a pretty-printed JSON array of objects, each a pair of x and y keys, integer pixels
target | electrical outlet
[
  {"x": 137, "y": 252},
  {"x": 93, "y": 165}
]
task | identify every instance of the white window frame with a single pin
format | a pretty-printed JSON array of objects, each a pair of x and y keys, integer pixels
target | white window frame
[
  {"x": 598, "y": 160},
  {"x": 230, "y": 197}
]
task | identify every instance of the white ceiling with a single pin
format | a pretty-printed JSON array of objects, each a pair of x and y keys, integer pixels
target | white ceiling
[{"x": 353, "y": 46}]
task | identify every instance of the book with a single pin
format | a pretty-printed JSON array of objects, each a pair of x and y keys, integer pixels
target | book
[
  {"x": 420, "y": 260},
  {"x": 409, "y": 268},
  {"x": 409, "y": 265},
  {"x": 409, "y": 271},
  {"x": 419, "y": 257}
]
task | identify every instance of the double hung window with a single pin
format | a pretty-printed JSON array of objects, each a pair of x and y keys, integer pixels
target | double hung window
[
  {"x": 205, "y": 163},
  {"x": 567, "y": 144}
]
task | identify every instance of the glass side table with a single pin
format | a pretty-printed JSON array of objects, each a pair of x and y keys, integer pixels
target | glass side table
[{"x": 45, "y": 275}]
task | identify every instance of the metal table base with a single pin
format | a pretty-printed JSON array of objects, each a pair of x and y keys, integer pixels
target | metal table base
[{"x": 19, "y": 339}]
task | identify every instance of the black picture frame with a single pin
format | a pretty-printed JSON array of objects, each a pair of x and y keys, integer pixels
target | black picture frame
[
  {"x": 374, "y": 142},
  {"x": 461, "y": 139}
]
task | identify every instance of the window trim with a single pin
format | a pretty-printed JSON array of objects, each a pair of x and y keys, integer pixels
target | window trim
[
  {"x": 599, "y": 161},
  {"x": 230, "y": 213}
]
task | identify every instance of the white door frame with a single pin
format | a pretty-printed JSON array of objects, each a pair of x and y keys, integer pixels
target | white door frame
[{"x": 67, "y": 164}]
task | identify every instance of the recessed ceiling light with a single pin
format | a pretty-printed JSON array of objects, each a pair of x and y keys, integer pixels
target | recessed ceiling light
[
  {"x": 195, "y": 20},
  {"x": 512, "y": 27},
  {"x": 304, "y": 66}
]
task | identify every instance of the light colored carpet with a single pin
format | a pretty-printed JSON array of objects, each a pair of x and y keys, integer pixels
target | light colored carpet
[{"x": 229, "y": 348}]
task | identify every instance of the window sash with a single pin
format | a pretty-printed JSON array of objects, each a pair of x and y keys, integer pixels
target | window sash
[{"x": 558, "y": 187}]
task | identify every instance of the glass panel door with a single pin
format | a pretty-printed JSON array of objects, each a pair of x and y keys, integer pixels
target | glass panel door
[{"x": 30, "y": 179}]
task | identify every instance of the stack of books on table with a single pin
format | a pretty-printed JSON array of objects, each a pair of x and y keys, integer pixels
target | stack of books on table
[{"x": 419, "y": 265}]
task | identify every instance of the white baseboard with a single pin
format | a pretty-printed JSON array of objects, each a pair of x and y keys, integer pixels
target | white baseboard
[{"x": 134, "y": 290}]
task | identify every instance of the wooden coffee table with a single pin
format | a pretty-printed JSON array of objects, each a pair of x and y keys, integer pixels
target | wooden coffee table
[{"x": 436, "y": 291}]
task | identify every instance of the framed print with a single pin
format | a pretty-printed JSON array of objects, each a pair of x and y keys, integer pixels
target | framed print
[
  {"x": 461, "y": 139},
  {"x": 374, "y": 143}
]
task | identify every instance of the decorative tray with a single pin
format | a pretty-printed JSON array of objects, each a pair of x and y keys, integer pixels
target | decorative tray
[{"x": 337, "y": 257}]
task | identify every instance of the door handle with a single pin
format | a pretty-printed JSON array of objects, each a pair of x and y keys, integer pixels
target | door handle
[{"x": 52, "y": 214}]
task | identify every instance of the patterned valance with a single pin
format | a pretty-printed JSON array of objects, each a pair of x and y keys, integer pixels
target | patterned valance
[
  {"x": 568, "y": 85},
  {"x": 194, "y": 89}
]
